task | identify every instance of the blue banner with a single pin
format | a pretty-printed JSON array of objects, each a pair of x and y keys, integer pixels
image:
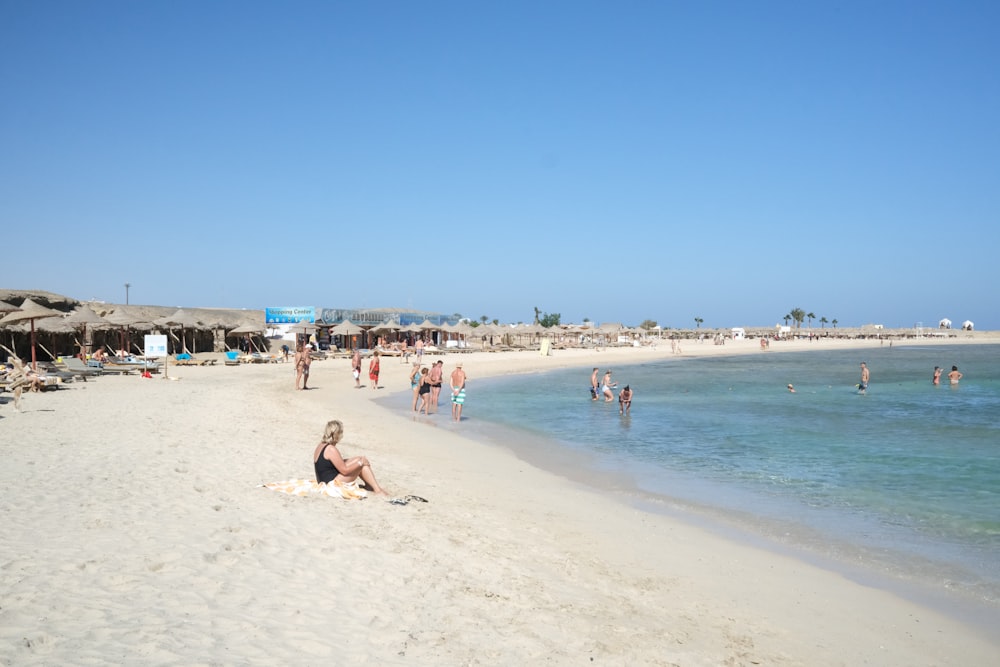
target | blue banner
[{"x": 289, "y": 315}]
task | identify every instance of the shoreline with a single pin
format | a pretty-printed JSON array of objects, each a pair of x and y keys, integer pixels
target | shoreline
[
  {"x": 868, "y": 565},
  {"x": 161, "y": 545}
]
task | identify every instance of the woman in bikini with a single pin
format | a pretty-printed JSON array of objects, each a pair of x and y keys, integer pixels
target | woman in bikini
[{"x": 332, "y": 468}]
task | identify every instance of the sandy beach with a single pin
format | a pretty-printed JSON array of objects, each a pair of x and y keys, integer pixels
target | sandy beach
[{"x": 136, "y": 532}]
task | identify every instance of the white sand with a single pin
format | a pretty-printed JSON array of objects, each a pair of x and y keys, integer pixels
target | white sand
[{"x": 134, "y": 533}]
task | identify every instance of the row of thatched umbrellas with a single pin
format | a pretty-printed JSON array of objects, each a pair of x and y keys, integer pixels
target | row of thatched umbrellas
[{"x": 85, "y": 317}]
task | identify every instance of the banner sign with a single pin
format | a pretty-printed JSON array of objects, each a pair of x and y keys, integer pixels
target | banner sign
[
  {"x": 156, "y": 345},
  {"x": 289, "y": 315}
]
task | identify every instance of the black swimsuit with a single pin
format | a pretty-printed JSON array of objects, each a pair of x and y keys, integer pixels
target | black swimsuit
[{"x": 326, "y": 472}]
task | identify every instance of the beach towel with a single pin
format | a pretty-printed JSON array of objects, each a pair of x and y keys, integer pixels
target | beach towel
[{"x": 306, "y": 487}]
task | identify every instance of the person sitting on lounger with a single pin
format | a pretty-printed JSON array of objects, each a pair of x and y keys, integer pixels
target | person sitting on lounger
[{"x": 332, "y": 468}]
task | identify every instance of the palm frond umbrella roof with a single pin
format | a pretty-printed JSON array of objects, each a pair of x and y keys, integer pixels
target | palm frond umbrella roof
[
  {"x": 86, "y": 316},
  {"x": 180, "y": 318},
  {"x": 29, "y": 310},
  {"x": 247, "y": 329},
  {"x": 303, "y": 327},
  {"x": 7, "y": 307},
  {"x": 387, "y": 325},
  {"x": 346, "y": 328}
]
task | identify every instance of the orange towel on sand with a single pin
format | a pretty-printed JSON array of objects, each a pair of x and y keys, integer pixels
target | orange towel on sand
[{"x": 306, "y": 487}]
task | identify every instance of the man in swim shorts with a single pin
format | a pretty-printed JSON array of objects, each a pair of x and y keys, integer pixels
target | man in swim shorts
[
  {"x": 863, "y": 385},
  {"x": 457, "y": 392}
]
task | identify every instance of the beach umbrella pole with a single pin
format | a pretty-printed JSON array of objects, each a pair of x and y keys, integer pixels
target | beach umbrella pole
[{"x": 34, "y": 360}]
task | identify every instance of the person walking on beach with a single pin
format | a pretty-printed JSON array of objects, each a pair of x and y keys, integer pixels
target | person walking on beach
[
  {"x": 457, "y": 392},
  {"x": 373, "y": 369},
  {"x": 302, "y": 361},
  {"x": 608, "y": 386},
  {"x": 625, "y": 401},
  {"x": 419, "y": 345},
  {"x": 356, "y": 367},
  {"x": 594, "y": 390},
  {"x": 954, "y": 376},
  {"x": 865, "y": 375},
  {"x": 937, "y": 375}
]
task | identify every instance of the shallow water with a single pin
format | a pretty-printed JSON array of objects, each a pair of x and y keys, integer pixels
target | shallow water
[
  {"x": 903, "y": 481},
  {"x": 905, "y": 478}
]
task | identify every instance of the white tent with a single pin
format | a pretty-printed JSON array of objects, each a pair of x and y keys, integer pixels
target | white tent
[
  {"x": 944, "y": 324},
  {"x": 967, "y": 325}
]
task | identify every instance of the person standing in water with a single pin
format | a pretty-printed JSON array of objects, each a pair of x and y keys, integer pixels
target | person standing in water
[
  {"x": 937, "y": 375},
  {"x": 608, "y": 386},
  {"x": 594, "y": 391},
  {"x": 458, "y": 379},
  {"x": 625, "y": 401},
  {"x": 865, "y": 375},
  {"x": 954, "y": 376}
]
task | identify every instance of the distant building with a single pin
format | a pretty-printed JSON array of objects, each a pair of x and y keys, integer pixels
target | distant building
[{"x": 370, "y": 317}]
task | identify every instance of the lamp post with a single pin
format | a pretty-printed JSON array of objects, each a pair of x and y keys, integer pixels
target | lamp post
[{"x": 127, "y": 285}]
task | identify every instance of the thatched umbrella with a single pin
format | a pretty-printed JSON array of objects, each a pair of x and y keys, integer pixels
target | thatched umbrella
[
  {"x": 30, "y": 311},
  {"x": 85, "y": 316},
  {"x": 182, "y": 319},
  {"x": 7, "y": 307},
  {"x": 248, "y": 330},
  {"x": 123, "y": 319}
]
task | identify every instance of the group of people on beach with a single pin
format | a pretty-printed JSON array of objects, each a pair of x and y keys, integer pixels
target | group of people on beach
[
  {"x": 426, "y": 386},
  {"x": 605, "y": 388}
]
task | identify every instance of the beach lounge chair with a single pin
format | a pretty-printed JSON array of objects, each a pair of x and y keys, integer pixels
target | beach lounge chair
[{"x": 79, "y": 369}]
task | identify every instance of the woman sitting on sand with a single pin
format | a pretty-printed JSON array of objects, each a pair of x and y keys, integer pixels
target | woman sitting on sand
[{"x": 332, "y": 468}]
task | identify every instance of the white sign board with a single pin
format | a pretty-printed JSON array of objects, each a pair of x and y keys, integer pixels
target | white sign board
[{"x": 156, "y": 345}]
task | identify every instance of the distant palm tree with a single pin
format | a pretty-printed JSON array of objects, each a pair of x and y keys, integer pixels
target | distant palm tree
[
  {"x": 810, "y": 317},
  {"x": 834, "y": 323},
  {"x": 698, "y": 321},
  {"x": 537, "y": 313},
  {"x": 483, "y": 319},
  {"x": 787, "y": 317},
  {"x": 798, "y": 315},
  {"x": 823, "y": 322}
]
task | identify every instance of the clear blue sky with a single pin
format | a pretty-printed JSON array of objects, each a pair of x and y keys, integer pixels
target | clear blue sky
[{"x": 618, "y": 161}]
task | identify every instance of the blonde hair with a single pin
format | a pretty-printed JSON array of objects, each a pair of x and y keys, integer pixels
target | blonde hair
[{"x": 333, "y": 433}]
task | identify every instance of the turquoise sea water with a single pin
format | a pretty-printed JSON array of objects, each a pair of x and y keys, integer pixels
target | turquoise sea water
[{"x": 904, "y": 481}]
